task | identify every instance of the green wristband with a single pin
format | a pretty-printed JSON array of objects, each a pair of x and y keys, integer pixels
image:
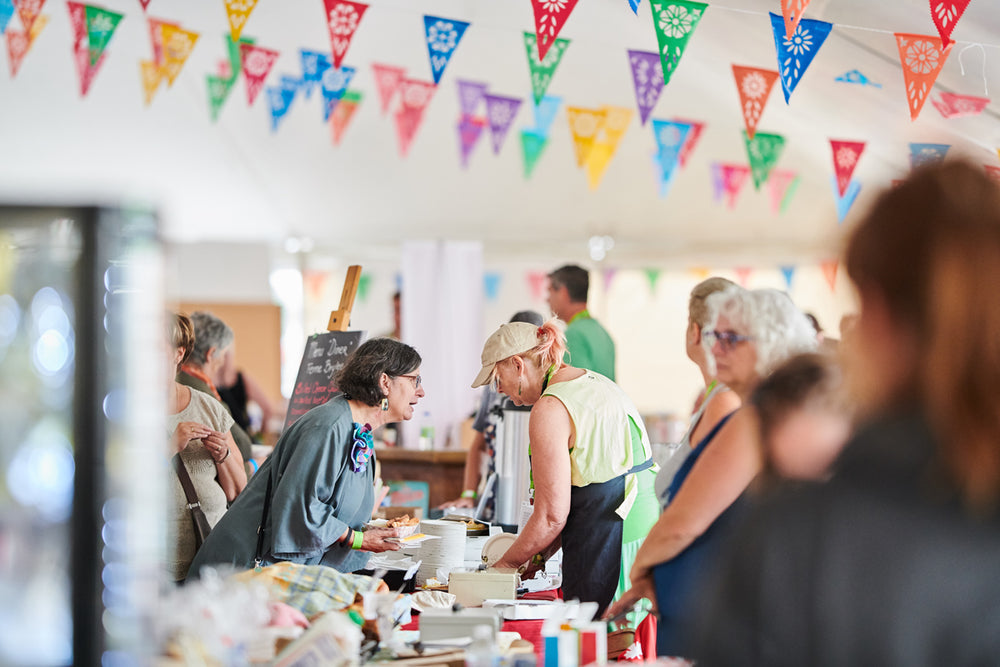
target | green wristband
[
  {"x": 359, "y": 537},
  {"x": 469, "y": 493}
]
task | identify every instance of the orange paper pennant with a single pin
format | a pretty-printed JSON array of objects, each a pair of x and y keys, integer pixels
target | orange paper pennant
[
  {"x": 28, "y": 11},
  {"x": 829, "y": 268},
  {"x": 177, "y": 46},
  {"x": 922, "y": 57},
  {"x": 584, "y": 124},
  {"x": 792, "y": 11},
  {"x": 151, "y": 76},
  {"x": 754, "y": 85},
  {"x": 238, "y": 11}
]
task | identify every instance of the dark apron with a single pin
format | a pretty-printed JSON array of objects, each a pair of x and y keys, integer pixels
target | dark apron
[{"x": 592, "y": 540}]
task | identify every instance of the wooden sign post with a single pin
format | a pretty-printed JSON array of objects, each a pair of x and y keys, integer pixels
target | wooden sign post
[{"x": 341, "y": 318}]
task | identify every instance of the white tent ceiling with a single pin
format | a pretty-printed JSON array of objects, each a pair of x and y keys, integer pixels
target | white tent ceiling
[{"x": 236, "y": 180}]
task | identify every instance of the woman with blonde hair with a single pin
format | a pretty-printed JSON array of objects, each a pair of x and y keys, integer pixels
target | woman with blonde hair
[
  {"x": 591, "y": 463},
  {"x": 894, "y": 560}
]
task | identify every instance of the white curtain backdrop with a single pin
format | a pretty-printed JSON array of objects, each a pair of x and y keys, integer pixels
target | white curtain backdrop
[{"x": 442, "y": 314}]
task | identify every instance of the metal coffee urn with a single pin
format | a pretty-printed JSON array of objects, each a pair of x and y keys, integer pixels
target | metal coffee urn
[{"x": 512, "y": 464}]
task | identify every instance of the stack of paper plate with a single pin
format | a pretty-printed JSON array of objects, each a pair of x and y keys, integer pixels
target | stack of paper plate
[{"x": 447, "y": 553}]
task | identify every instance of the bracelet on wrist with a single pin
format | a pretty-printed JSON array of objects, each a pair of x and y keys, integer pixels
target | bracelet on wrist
[
  {"x": 359, "y": 537},
  {"x": 469, "y": 493},
  {"x": 537, "y": 559},
  {"x": 223, "y": 459}
]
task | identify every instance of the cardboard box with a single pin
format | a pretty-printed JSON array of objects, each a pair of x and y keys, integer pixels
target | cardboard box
[{"x": 471, "y": 588}]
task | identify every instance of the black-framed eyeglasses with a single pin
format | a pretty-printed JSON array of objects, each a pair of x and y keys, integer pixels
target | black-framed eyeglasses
[
  {"x": 727, "y": 339},
  {"x": 416, "y": 379}
]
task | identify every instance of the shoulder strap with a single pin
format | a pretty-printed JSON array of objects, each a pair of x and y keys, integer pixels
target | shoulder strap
[
  {"x": 185, "y": 479},
  {"x": 259, "y": 556}
]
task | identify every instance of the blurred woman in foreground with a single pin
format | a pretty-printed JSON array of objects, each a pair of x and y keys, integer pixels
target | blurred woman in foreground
[{"x": 895, "y": 560}]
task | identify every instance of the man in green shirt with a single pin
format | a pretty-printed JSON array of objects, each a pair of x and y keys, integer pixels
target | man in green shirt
[{"x": 588, "y": 344}]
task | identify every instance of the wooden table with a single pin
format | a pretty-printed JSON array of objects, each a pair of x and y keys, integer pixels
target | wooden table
[{"x": 443, "y": 470}]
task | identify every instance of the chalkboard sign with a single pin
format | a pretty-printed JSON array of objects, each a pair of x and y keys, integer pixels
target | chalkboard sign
[{"x": 322, "y": 359}]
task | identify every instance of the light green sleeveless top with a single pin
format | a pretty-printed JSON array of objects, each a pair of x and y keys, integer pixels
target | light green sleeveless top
[{"x": 602, "y": 416}]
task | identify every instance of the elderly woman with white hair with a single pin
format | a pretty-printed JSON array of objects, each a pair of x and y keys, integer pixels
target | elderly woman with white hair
[{"x": 751, "y": 333}]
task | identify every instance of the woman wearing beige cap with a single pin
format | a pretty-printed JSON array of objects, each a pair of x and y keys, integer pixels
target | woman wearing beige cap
[{"x": 591, "y": 463}]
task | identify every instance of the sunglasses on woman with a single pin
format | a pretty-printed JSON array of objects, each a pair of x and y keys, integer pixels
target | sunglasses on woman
[{"x": 727, "y": 339}]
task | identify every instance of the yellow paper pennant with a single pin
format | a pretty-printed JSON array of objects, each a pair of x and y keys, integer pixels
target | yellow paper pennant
[
  {"x": 584, "y": 124},
  {"x": 37, "y": 26},
  {"x": 597, "y": 162},
  {"x": 700, "y": 272},
  {"x": 616, "y": 122},
  {"x": 177, "y": 46},
  {"x": 238, "y": 12},
  {"x": 151, "y": 76}
]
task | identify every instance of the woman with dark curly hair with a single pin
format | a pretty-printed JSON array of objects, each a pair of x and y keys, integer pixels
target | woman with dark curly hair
[{"x": 316, "y": 490}]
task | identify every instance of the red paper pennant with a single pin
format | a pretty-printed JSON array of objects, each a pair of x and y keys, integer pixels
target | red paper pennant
[
  {"x": 407, "y": 121},
  {"x": 743, "y": 275},
  {"x": 342, "y": 18},
  {"x": 693, "y": 134},
  {"x": 845, "y": 158},
  {"x": 792, "y": 11},
  {"x": 77, "y": 21},
  {"x": 955, "y": 106},
  {"x": 754, "y": 86},
  {"x": 945, "y": 14},
  {"x": 922, "y": 57},
  {"x": 257, "y": 63},
  {"x": 17, "y": 47},
  {"x": 538, "y": 281},
  {"x": 145, "y": 4},
  {"x": 829, "y": 268},
  {"x": 733, "y": 178},
  {"x": 550, "y": 17},
  {"x": 340, "y": 118},
  {"x": 28, "y": 10},
  {"x": 415, "y": 94},
  {"x": 387, "y": 78},
  {"x": 156, "y": 36},
  {"x": 86, "y": 69}
]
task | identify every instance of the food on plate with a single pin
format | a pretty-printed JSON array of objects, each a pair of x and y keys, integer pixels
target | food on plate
[{"x": 402, "y": 521}]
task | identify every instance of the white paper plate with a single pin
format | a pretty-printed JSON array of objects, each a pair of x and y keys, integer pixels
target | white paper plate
[
  {"x": 413, "y": 540},
  {"x": 496, "y": 546}
]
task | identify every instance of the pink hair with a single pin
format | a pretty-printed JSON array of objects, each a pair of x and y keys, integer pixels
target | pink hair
[{"x": 552, "y": 348}]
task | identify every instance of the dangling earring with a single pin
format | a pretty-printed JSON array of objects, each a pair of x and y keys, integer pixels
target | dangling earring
[{"x": 385, "y": 405}]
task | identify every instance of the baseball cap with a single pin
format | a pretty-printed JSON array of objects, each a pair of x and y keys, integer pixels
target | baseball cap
[{"x": 510, "y": 339}]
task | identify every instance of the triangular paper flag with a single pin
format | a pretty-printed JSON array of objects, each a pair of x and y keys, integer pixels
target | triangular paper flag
[
  {"x": 671, "y": 137},
  {"x": 470, "y": 128},
  {"x": 922, "y": 58},
  {"x": 846, "y": 200},
  {"x": 145, "y": 4},
  {"x": 829, "y": 268},
  {"x": 407, "y": 122},
  {"x": 647, "y": 77},
  {"x": 314, "y": 65},
  {"x": 652, "y": 275},
  {"x": 956, "y": 106},
  {"x": 280, "y": 98},
  {"x": 256, "y": 62},
  {"x": 470, "y": 96},
  {"x": 151, "y": 76},
  {"x": 782, "y": 185},
  {"x": 665, "y": 173},
  {"x": 763, "y": 152},
  {"x": 18, "y": 44},
  {"x": 545, "y": 114},
  {"x": 675, "y": 21},
  {"x": 634, "y": 4},
  {"x": 6, "y": 13},
  {"x": 343, "y": 114},
  {"x": 78, "y": 23},
  {"x": 855, "y": 76},
  {"x": 754, "y": 86},
  {"x": 238, "y": 11},
  {"x": 333, "y": 85},
  {"x": 537, "y": 282},
  {"x": 342, "y": 18},
  {"x": 729, "y": 181},
  {"x": 795, "y": 53},
  {"x": 218, "y": 92},
  {"x": 616, "y": 122},
  {"x": 609, "y": 276},
  {"x": 845, "y": 158},
  {"x": 500, "y": 113},
  {"x": 86, "y": 69},
  {"x": 443, "y": 36},
  {"x": 177, "y": 46},
  {"x": 155, "y": 37},
  {"x": 491, "y": 285},
  {"x": 743, "y": 274},
  {"x": 414, "y": 97},
  {"x": 584, "y": 125},
  {"x": 235, "y": 58},
  {"x": 550, "y": 16},
  {"x": 542, "y": 70},
  {"x": 788, "y": 273},
  {"x": 692, "y": 139},
  {"x": 28, "y": 11},
  {"x": 945, "y": 14},
  {"x": 792, "y": 11},
  {"x": 101, "y": 24},
  {"x": 387, "y": 80},
  {"x": 924, "y": 154},
  {"x": 532, "y": 145}
]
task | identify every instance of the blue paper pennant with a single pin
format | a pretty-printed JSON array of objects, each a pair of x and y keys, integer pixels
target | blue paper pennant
[
  {"x": 670, "y": 136},
  {"x": 335, "y": 83},
  {"x": 922, "y": 154},
  {"x": 443, "y": 36},
  {"x": 844, "y": 203},
  {"x": 855, "y": 76},
  {"x": 795, "y": 54},
  {"x": 314, "y": 64},
  {"x": 545, "y": 114},
  {"x": 6, "y": 12},
  {"x": 788, "y": 272},
  {"x": 491, "y": 285},
  {"x": 634, "y": 4},
  {"x": 280, "y": 98}
]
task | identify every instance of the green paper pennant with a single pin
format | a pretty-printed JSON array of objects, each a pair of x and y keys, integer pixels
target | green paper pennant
[
  {"x": 218, "y": 91},
  {"x": 652, "y": 275},
  {"x": 532, "y": 145},
  {"x": 763, "y": 152},
  {"x": 352, "y": 96},
  {"x": 675, "y": 21},
  {"x": 364, "y": 280},
  {"x": 101, "y": 24},
  {"x": 542, "y": 70},
  {"x": 233, "y": 49},
  {"x": 789, "y": 193}
]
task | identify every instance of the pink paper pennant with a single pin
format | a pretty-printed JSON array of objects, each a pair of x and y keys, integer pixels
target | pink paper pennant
[
  {"x": 956, "y": 106},
  {"x": 550, "y": 16},
  {"x": 538, "y": 281},
  {"x": 387, "y": 78},
  {"x": 28, "y": 11},
  {"x": 778, "y": 184},
  {"x": 407, "y": 121},
  {"x": 342, "y": 18},
  {"x": 257, "y": 63},
  {"x": 743, "y": 274},
  {"x": 224, "y": 70},
  {"x": 77, "y": 21},
  {"x": 692, "y": 139},
  {"x": 156, "y": 36},
  {"x": 415, "y": 94},
  {"x": 754, "y": 85},
  {"x": 733, "y": 178},
  {"x": 84, "y": 68},
  {"x": 845, "y": 158},
  {"x": 945, "y": 14},
  {"x": 922, "y": 58},
  {"x": 792, "y": 11}
]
